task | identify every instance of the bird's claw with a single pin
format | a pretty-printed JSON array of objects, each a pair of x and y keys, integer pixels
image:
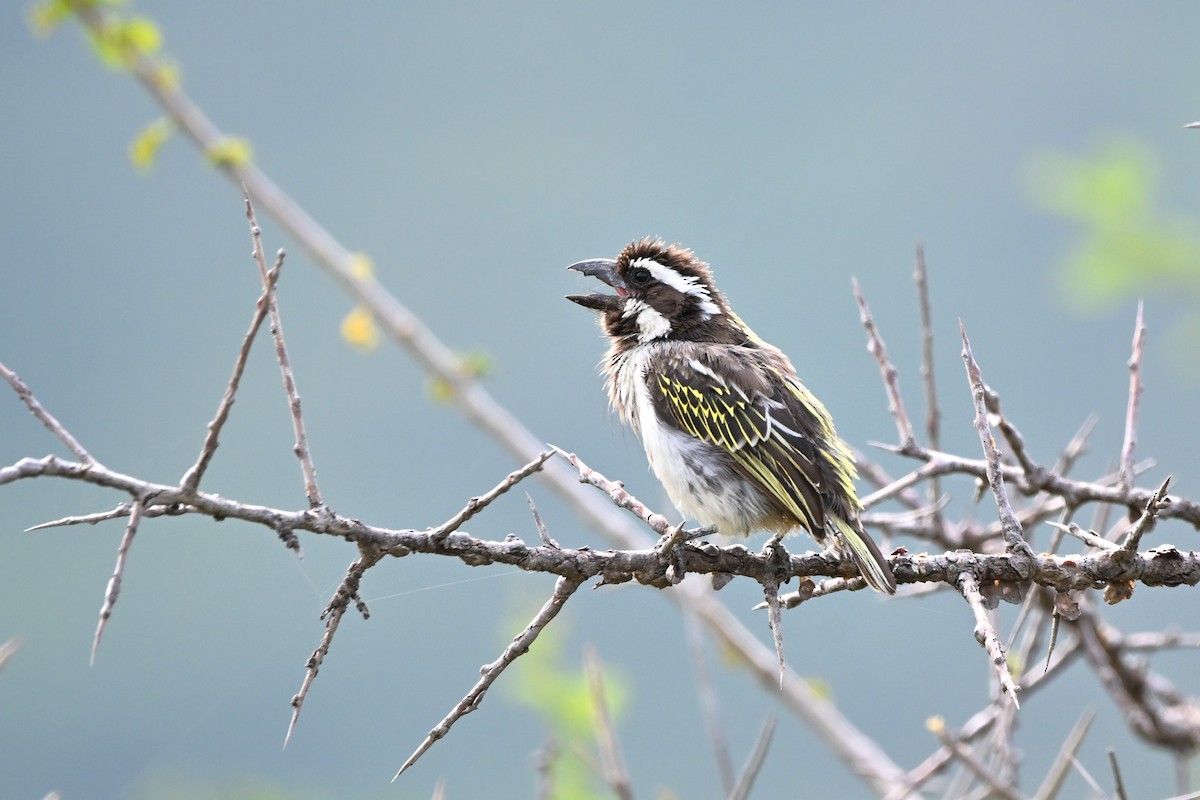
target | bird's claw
[{"x": 774, "y": 551}]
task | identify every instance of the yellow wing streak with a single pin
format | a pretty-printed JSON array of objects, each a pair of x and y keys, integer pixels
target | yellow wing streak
[{"x": 744, "y": 431}]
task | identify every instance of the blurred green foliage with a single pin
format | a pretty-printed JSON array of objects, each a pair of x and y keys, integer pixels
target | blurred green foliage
[
  {"x": 560, "y": 694},
  {"x": 166, "y": 784},
  {"x": 145, "y": 146},
  {"x": 1127, "y": 244}
]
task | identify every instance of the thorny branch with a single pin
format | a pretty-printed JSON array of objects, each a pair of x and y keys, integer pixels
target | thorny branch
[
  {"x": 891, "y": 379},
  {"x": 657, "y": 566},
  {"x": 612, "y": 763},
  {"x": 1014, "y": 538},
  {"x": 307, "y": 469},
  {"x": 114, "y": 583},
  {"x": 754, "y": 762},
  {"x": 563, "y": 589},
  {"x": 1135, "y": 397},
  {"x": 1051, "y": 492},
  {"x": 933, "y": 414},
  {"x": 191, "y": 479},
  {"x": 1163, "y": 566},
  {"x": 985, "y": 634},
  {"x": 44, "y": 416},
  {"x": 347, "y": 592},
  {"x": 664, "y": 566}
]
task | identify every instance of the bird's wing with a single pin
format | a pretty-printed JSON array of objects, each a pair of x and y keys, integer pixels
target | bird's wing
[{"x": 748, "y": 408}]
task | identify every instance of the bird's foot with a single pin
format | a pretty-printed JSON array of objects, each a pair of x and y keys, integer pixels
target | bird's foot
[
  {"x": 679, "y": 535},
  {"x": 835, "y": 554},
  {"x": 669, "y": 549},
  {"x": 774, "y": 551}
]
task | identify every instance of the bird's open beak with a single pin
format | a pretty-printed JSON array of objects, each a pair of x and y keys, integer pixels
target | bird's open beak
[{"x": 606, "y": 270}]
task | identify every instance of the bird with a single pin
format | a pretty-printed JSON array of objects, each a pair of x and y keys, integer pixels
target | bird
[{"x": 735, "y": 437}]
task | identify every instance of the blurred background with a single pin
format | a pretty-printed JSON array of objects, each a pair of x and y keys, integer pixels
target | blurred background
[{"x": 472, "y": 151}]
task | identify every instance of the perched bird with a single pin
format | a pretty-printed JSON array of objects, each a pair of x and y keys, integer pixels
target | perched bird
[{"x": 736, "y": 439}]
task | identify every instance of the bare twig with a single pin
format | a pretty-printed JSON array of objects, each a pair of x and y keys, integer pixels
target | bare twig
[
  {"x": 190, "y": 481},
  {"x": 543, "y": 534},
  {"x": 1071, "y": 491},
  {"x": 1160, "y": 640},
  {"x": 347, "y": 592},
  {"x": 770, "y": 586},
  {"x": 933, "y": 415},
  {"x": 1183, "y": 776},
  {"x": 998, "y": 750},
  {"x": 1087, "y": 537},
  {"x": 980, "y": 723},
  {"x": 1088, "y": 778},
  {"x": 670, "y": 540},
  {"x": 1152, "y": 707},
  {"x": 1135, "y": 395},
  {"x": 1057, "y": 773},
  {"x": 891, "y": 379},
  {"x": 1012, "y": 435},
  {"x": 873, "y": 473},
  {"x": 1055, "y": 624},
  {"x": 45, "y": 417},
  {"x": 1013, "y": 538},
  {"x": 1157, "y": 502},
  {"x": 616, "y": 492},
  {"x": 482, "y": 410},
  {"x": 919, "y": 519},
  {"x": 477, "y": 504},
  {"x": 997, "y": 786},
  {"x": 898, "y": 486},
  {"x": 307, "y": 469},
  {"x": 1033, "y": 609},
  {"x": 114, "y": 583},
  {"x": 612, "y": 764},
  {"x": 1118, "y": 781},
  {"x": 1162, "y": 567},
  {"x": 8, "y": 650},
  {"x": 807, "y": 591},
  {"x": 1076, "y": 447},
  {"x": 862, "y": 756},
  {"x": 985, "y": 634},
  {"x": 754, "y": 762},
  {"x": 544, "y": 760},
  {"x": 520, "y": 645},
  {"x": 121, "y": 510},
  {"x": 709, "y": 703}
]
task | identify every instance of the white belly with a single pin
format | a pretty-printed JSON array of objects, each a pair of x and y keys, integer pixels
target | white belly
[{"x": 698, "y": 477}]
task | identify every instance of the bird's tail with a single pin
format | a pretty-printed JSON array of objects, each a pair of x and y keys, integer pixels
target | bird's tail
[{"x": 871, "y": 563}]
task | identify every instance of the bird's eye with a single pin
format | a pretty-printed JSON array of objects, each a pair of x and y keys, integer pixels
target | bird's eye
[{"x": 639, "y": 275}]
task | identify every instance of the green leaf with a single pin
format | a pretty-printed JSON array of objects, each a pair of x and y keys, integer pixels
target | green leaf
[
  {"x": 475, "y": 364},
  {"x": 119, "y": 41},
  {"x": 165, "y": 73},
  {"x": 561, "y": 696},
  {"x": 143, "y": 150},
  {"x": 45, "y": 17},
  {"x": 230, "y": 151},
  {"x": 107, "y": 47},
  {"x": 1124, "y": 243},
  {"x": 141, "y": 35},
  {"x": 359, "y": 328}
]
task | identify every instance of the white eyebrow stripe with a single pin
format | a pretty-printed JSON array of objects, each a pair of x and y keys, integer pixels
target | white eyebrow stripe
[{"x": 684, "y": 284}]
